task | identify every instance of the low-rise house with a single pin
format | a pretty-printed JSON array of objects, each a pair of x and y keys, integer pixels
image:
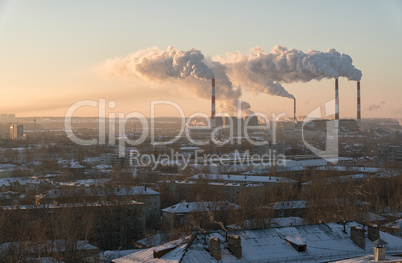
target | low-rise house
[
  {"x": 267, "y": 222},
  {"x": 390, "y": 154},
  {"x": 146, "y": 195},
  {"x": 289, "y": 208},
  {"x": 6, "y": 170},
  {"x": 5, "y": 186},
  {"x": 394, "y": 227},
  {"x": 248, "y": 179},
  {"x": 181, "y": 190}
]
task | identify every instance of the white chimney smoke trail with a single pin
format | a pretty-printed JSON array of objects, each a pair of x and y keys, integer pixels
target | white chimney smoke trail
[
  {"x": 258, "y": 71},
  {"x": 155, "y": 65}
]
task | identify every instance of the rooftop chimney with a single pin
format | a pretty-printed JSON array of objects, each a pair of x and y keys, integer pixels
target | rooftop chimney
[
  {"x": 357, "y": 235},
  {"x": 373, "y": 232},
  {"x": 213, "y": 122},
  {"x": 359, "y": 127},
  {"x": 379, "y": 253},
  {"x": 379, "y": 250},
  {"x": 215, "y": 248},
  {"x": 234, "y": 245},
  {"x": 158, "y": 253}
]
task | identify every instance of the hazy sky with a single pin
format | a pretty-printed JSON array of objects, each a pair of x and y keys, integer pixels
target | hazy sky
[{"x": 49, "y": 51}]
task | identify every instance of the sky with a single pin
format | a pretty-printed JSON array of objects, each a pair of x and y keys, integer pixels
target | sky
[{"x": 50, "y": 52}]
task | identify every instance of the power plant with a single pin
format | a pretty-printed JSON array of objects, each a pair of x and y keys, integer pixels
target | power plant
[{"x": 358, "y": 118}]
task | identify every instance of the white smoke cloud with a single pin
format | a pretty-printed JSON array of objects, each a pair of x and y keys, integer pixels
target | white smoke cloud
[
  {"x": 261, "y": 71},
  {"x": 154, "y": 64},
  {"x": 375, "y": 107},
  {"x": 258, "y": 71}
]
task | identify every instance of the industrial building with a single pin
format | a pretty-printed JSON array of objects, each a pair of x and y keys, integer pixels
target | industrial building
[
  {"x": 390, "y": 154},
  {"x": 16, "y": 131}
]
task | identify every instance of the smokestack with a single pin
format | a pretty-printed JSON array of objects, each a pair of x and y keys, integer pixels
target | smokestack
[
  {"x": 294, "y": 111},
  {"x": 359, "y": 128},
  {"x": 336, "y": 100},
  {"x": 213, "y": 122}
]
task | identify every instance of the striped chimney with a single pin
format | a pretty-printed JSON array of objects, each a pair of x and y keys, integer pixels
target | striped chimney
[
  {"x": 213, "y": 121},
  {"x": 336, "y": 100},
  {"x": 294, "y": 110},
  {"x": 359, "y": 127}
]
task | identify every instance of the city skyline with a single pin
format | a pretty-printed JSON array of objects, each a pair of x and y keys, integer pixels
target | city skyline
[{"x": 52, "y": 52}]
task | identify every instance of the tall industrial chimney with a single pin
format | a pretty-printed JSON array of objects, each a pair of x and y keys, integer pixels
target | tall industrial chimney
[
  {"x": 213, "y": 121},
  {"x": 359, "y": 127},
  {"x": 336, "y": 100},
  {"x": 294, "y": 111}
]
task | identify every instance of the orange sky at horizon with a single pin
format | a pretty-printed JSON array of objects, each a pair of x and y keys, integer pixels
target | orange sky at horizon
[{"x": 50, "y": 52}]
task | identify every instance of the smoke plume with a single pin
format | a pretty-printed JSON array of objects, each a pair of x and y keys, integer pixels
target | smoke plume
[
  {"x": 375, "y": 107},
  {"x": 261, "y": 71},
  {"x": 154, "y": 64},
  {"x": 258, "y": 71}
]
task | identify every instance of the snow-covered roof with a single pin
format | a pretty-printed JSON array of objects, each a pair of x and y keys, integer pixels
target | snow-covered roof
[
  {"x": 55, "y": 206},
  {"x": 244, "y": 178},
  {"x": 190, "y": 148},
  {"x": 371, "y": 217},
  {"x": 4, "y": 183},
  {"x": 70, "y": 163},
  {"x": 352, "y": 169},
  {"x": 354, "y": 177},
  {"x": 91, "y": 160},
  {"x": 108, "y": 255},
  {"x": 395, "y": 225},
  {"x": 298, "y": 204},
  {"x": 119, "y": 191},
  {"x": 74, "y": 165},
  {"x": 323, "y": 242},
  {"x": 20, "y": 180},
  {"x": 370, "y": 258},
  {"x": 147, "y": 255},
  {"x": 340, "y": 179},
  {"x": 89, "y": 182},
  {"x": 215, "y": 183},
  {"x": 188, "y": 207},
  {"x": 154, "y": 240},
  {"x": 103, "y": 167},
  {"x": 7, "y": 166},
  {"x": 305, "y": 162},
  {"x": 268, "y": 222}
]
